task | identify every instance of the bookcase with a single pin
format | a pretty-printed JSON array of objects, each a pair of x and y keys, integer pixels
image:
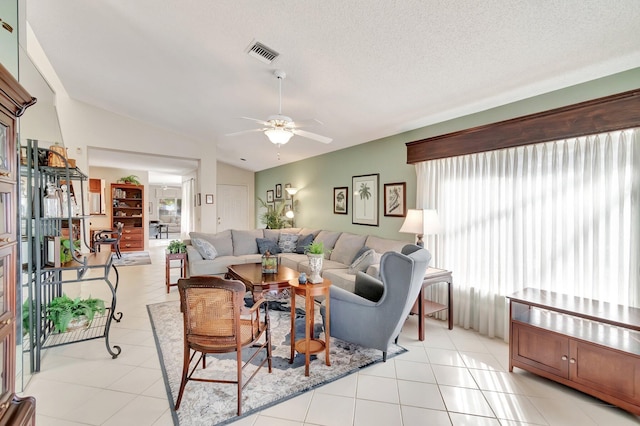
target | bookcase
[{"x": 127, "y": 207}]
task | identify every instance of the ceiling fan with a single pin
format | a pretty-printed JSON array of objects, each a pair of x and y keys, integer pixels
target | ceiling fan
[{"x": 280, "y": 128}]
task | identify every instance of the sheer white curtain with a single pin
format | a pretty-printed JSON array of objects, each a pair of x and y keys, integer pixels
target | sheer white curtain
[
  {"x": 187, "y": 216},
  {"x": 561, "y": 216}
]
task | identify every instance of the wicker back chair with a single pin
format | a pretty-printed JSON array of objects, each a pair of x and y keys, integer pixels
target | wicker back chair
[{"x": 212, "y": 308}]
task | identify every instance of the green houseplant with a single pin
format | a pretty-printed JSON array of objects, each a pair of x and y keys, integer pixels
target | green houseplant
[
  {"x": 315, "y": 253},
  {"x": 66, "y": 250},
  {"x": 316, "y": 247},
  {"x": 64, "y": 312},
  {"x": 131, "y": 179},
  {"x": 274, "y": 218},
  {"x": 177, "y": 246}
]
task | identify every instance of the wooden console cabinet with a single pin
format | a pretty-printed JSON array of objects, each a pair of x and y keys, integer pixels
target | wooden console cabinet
[{"x": 588, "y": 345}]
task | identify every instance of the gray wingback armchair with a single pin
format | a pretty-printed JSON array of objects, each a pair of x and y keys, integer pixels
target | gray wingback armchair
[{"x": 373, "y": 316}]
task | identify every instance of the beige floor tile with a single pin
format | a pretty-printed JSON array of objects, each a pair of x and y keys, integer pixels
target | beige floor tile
[
  {"x": 481, "y": 361},
  {"x": 55, "y": 399},
  {"x": 557, "y": 411},
  {"x": 414, "y": 416},
  {"x": 465, "y": 401},
  {"x": 381, "y": 369},
  {"x": 415, "y": 371},
  {"x": 415, "y": 353},
  {"x": 445, "y": 357},
  {"x": 370, "y": 413},
  {"x": 274, "y": 421},
  {"x": 99, "y": 408},
  {"x": 292, "y": 409},
  {"x": 496, "y": 381},
  {"x": 422, "y": 395},
  {"x": 52, "y": 421},
  {"x": 342, "y": 387},
  {"x": 328, "y": 410},
  {"x": 454, "y": 376},
  {"x": 137, "y": 381},
  {"x": 459, "y": 419},
  {"x": 165, "y": 420},
  {"x": 514, "y": 407},
  {"x": 380, "y": 389},
  {"x": 141, "y": 411}
]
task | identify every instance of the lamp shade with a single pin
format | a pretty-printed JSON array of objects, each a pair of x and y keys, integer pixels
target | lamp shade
[
  {"x": 421, "y": 222},
  {"x": 278, "y": 136},
  {"x": 291, "y": 191}
]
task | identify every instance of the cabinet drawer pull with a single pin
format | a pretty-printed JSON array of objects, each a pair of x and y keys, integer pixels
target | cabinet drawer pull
[
  {"x": 564, "y": 358},
  {"x": 5, "y": 240},
  {"x": 572, "y": 361},
  {"x": 5, "y": 174},
  {"x": 8, "y": 321}
]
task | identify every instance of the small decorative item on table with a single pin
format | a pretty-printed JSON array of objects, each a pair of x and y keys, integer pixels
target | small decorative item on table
[{"x": 269, "y": 263}]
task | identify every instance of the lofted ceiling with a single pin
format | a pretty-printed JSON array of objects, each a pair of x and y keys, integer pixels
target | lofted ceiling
[{"x": 366, "y": 69}]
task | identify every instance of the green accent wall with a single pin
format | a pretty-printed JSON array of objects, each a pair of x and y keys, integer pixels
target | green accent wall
[{"x": 317, "y": 176}]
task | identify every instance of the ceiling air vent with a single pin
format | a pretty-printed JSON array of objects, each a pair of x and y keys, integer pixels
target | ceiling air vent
[{"x": 262, "y": 52}]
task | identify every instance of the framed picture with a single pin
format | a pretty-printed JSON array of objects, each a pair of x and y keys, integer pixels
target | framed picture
[
  {"x": 365, "y": 199},
  {"x": 286, "y": 194},
  {"x": 341, "y": 200},
  {"x": 52, "y": 251},
  {"x": 208, "y": 198},
  {"x": 278, "y": 191},
  {"x": 198, "y": 199},
  {"x": 271, "y": 207},
  {"x": 395, "y": 195},
  {"x": 270, "y": 196}
]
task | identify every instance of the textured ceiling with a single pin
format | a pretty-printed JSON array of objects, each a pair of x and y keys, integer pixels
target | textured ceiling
[{"x": 367, "y": 69}]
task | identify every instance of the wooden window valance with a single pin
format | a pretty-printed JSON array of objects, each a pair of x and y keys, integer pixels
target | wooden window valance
[
  {"x": 14, "y": 99},
  {"x": 610, "y": 113}
]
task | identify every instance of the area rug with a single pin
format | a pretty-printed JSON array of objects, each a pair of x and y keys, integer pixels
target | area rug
[
  {"x": 215, "y": 404},
  {"x": 133, "y": 258}
]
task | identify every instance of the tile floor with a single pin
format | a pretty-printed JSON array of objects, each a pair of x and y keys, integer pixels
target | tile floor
[{"x": 454, "y": 377}]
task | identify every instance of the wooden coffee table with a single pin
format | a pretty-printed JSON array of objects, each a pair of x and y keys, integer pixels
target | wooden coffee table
[{"x": 257, "y": 282}]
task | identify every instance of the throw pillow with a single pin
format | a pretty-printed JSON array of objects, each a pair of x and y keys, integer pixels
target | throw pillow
[
  {"x": 205, "y": 248},
  {"x": 265, "y": 244},
  {"x": 287, "y": 243},
  {"x": 363, "y": 262},
  {"x": 303, "y": 242},
  {"x": 360, "y": 253}
]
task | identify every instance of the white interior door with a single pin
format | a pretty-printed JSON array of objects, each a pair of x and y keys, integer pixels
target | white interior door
[{"x": 232, "y": 207}]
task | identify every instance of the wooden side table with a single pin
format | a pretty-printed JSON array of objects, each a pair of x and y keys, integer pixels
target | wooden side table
[
  {"x": 427, "y": 307},
  {"x": 182, "y": 257},
  {"x": 310, "y": 345}
]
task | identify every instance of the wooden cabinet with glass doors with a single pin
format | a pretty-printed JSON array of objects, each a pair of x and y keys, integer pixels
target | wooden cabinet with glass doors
[{"x": 14, "y": 100}]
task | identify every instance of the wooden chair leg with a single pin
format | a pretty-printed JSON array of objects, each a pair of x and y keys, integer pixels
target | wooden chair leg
[
  {"x": 239, "y": 368},
  {"x": 185, "y": 372}
]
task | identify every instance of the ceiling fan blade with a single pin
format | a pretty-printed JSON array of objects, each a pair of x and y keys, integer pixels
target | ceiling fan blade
[
  {"x": 305, "y": 123},
  {"x": 244, "y": 132},
  {"x": 310, "y": 135},
  {"x": 257, "y": 120}
]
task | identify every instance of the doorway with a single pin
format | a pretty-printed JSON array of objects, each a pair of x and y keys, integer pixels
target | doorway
[{"x": 232, "y": 208}]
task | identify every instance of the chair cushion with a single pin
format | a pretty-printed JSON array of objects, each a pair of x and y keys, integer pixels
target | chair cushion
[
  {"x": 265, "y": 244},
  {"x": 205, "y": 248},
  {"x": 287, "y": 243},
  {"x": 361, "y": 264},
  {"x": 303, "y": 242}
]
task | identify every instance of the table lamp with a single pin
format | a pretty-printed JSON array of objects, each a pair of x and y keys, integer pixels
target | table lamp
[
  {"x": 421, "y": 222},
  {"x": 289, "y": 214}
]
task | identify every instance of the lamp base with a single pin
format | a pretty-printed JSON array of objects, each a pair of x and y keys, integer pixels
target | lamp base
[{"x": 420, "y": 243}]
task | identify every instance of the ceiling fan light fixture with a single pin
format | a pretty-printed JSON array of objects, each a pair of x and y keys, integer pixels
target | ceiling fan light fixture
[{"x": 278, "y": 136}]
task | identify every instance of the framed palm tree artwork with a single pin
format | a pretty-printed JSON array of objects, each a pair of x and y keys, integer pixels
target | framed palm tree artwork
[{"x": 365, "y": 199}]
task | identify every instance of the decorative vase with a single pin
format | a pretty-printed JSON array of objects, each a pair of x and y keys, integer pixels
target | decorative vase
[
  {"x": 78, "y": 323},
  {"x": 315, "y": 264}
]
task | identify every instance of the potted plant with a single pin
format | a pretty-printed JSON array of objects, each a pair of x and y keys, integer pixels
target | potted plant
[
  {"x": 274, "y": 218},
  {"x": 315, "y": 253},
  {"x": 66, "y": 251},
  {"x": 177, "y": 246},
  {"x": 131, "y": 180},
  {"x": 68, "y": 314}
]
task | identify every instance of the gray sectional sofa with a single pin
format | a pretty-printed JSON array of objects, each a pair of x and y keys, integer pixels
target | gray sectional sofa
[{"x": 242, "y": 246}]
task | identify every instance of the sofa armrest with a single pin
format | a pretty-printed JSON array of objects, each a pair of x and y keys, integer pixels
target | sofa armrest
[
  {"x": 193, "y": 254},
  {"x": 368, "y": 287}
]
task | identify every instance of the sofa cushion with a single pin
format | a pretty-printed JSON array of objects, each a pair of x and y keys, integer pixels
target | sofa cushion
[
  {"x": 346, "y": 247},
  {"x": 287, "y": 242},
  {"x": 383, "y": 245},
  {"x": 360, "y": 253},
  {"x": 291, "y": 260},
  {"x": 244, "y": 242},
  {"x": 329, "y": 239},
  {"x": 303, "y": 243},
  {"x": 272, "y": 234},
  {"x": 340, "y": 278},
  {"x": 205, "y": 248},
  {"x": 363, "y": 262},
  {"x": 326, "y": 264},
  {"x": 221, "y": 241},
  {"x": 307, "y": 231},
  {"x": 265, "y": 244}
]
